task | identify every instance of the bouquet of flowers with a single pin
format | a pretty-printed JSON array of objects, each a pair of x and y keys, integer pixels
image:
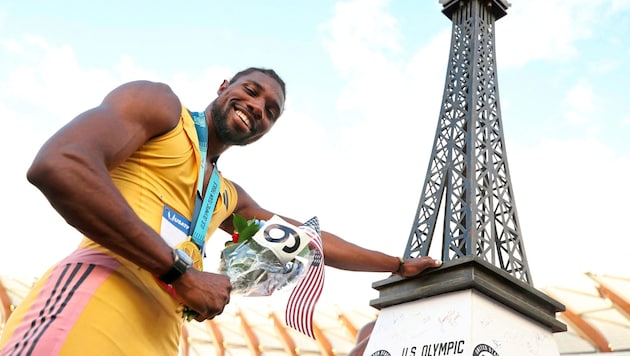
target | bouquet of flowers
[{"x": 266, "y": 256}]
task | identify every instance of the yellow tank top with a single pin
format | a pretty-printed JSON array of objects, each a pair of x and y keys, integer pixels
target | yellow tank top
[{"x": 165, "y": 171}]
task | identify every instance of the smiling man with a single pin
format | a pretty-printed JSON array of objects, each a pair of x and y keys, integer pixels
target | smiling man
[{"x": 130, "y": 174}]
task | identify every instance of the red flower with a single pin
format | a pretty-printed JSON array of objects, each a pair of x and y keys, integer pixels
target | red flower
[{"x": 235, "y": 237}]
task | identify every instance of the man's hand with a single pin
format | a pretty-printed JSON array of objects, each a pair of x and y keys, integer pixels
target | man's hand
[
  {"x": 204, "y": 292},
  {"x": 414, "y": 266}
]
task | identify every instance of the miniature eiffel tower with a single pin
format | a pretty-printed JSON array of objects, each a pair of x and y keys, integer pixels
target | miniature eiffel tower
[
  {"x": 481, "y": 301},
  {"x": 468, "y": 165}
]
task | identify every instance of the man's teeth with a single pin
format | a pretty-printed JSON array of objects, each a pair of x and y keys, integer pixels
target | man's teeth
[{"x": 243, "y": 117}]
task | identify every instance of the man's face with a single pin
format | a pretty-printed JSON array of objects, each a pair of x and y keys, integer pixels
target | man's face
[{"x": 245, "y": 110}]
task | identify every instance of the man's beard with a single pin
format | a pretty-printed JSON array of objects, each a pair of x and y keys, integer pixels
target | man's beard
[{"x": 219, "y": 119}]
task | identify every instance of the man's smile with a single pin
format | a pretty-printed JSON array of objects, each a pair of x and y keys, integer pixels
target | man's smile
[{"x": 244, "y": 118}]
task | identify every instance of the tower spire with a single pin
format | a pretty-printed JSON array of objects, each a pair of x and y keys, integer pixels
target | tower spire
[{"x": 468, "y": 167}]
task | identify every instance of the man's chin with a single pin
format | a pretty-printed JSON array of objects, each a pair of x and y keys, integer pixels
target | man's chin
[
  {"x": 246, "y": 139},
  {"x": 232, "y": 141}
]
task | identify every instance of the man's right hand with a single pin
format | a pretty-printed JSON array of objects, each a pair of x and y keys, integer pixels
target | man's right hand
[{"x": 204, "y": 292}]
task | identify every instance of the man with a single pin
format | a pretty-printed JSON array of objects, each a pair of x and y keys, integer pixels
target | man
[{"x": 118, "y": 173}]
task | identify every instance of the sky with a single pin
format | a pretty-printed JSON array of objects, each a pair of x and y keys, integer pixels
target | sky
[{"x": 365, "y": 80}]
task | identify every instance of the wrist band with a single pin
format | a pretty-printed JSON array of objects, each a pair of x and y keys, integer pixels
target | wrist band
[{"x": 401, "y": 262}]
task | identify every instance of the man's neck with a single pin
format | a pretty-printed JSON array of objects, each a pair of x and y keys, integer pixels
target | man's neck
[{"x": 215, "y": 146}]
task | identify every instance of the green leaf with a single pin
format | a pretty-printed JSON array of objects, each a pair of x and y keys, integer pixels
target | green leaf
[
  {"x": 239, "y": 223},
  {"x": 248, "y": 232}
]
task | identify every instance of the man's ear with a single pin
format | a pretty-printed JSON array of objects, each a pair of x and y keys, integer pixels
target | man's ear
[{"x": 223, "y": 86}]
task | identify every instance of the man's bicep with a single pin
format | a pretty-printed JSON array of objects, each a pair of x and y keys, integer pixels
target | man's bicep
[
  {"x": 248, "y": 207},
  {"x": 128, "y": 117},
  {"x": 132, "y": 115}
]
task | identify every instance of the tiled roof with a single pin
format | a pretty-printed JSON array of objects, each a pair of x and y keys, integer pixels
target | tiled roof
[{"x": 597, "y": 316}]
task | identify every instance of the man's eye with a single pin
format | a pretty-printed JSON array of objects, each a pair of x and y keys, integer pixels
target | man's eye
[
  {"x": 249, "y": 91},
  {"x": 270, "y": 114}
]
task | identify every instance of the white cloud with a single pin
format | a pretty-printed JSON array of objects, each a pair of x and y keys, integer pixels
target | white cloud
[
  {"x": 3, "y": 17},
  {"x": 605, "y": 66},
  {"x": 363, "y": 40},
  {"x": 544, "y": 30},
  {"x": 48, "y": 79},
  {"x": 579, "y": 103},
  {"x": 128, "y": 71},
  {"x": 620, "y": 5},
  {"x": 12, "y": 46},
  {"x": 360, "y": 31},
  {"x": 568, "y": 195}
]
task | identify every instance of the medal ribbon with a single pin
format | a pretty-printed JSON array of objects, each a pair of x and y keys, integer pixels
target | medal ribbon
[{"x": 203, "y": 207}]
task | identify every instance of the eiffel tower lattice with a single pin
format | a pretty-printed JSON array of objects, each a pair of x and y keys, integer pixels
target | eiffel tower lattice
[{"x": 468, "y": 165}]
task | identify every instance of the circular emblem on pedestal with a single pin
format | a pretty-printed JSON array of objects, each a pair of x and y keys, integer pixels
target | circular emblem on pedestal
[
  {"x": 484, "y": 350},
  {"x": 381, "y": 353}
]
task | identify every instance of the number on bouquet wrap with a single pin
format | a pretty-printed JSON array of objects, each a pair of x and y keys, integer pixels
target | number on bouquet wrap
[{"x": 288, "y": 235}]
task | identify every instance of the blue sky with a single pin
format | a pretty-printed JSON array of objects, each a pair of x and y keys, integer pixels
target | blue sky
[{"x": 364, "y": 84}]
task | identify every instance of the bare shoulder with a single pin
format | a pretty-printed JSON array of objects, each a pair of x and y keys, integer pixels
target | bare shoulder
[
  {"x": 243, "y": 196},
  {"x": 153, "y": 105},
  {"x": 141, "y": 88}
]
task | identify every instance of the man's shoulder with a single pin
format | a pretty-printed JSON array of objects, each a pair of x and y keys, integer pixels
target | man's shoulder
[
  {"x": 147, "y": 87},
  {"x": 153, "y": 104}
]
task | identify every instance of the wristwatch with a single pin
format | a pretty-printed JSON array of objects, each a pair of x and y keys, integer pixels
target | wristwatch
[{"x": 181, "y": 263}]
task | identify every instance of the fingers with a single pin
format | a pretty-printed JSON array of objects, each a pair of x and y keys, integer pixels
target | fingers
[
  {"x": 215, "y": 306},
  {"x": 432, "y": 263},
  {"x": 205, "y": 293},
  {"x": 210, "y": 313},
  {"x": 208, "y": 316},
  {"x": 415, "y": 266}
]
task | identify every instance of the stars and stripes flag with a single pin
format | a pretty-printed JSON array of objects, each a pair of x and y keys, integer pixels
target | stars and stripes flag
[{"x": 301, "y": 303}]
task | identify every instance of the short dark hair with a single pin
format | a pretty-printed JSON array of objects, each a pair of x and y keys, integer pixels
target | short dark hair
[{"x": 269, "y": 72}]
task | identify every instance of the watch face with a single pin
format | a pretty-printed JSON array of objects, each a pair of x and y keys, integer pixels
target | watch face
[{"x": 184, "y": 257}]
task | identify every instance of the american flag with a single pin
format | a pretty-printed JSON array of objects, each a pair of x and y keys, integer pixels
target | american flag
[{"x": 301, "y": 303}]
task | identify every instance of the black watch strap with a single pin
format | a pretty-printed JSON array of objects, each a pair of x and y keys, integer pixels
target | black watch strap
[{"x": 181, "y": 263}]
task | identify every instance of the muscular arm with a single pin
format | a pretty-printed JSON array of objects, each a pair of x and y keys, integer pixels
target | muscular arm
[
  {"x": 338, "y": 252},
  {"x": 72, "y": 171}
]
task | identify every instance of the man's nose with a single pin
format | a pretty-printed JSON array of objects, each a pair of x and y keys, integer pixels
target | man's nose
[{"x": 257, "y": 107}]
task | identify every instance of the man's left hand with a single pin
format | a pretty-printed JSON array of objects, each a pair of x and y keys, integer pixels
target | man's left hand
[{"x": 414, "y": 266}]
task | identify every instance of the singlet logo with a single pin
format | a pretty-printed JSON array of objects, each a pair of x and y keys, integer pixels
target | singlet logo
[
  {"x": 225, "y": 199},
  {"x": 176, "y": 219}
]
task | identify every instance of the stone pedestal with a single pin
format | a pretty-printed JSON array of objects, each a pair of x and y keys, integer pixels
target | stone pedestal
[{"x": 466, "y": 307}]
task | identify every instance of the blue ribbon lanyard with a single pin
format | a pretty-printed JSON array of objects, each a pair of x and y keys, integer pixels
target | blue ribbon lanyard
[{"x": 203, "y": 207}]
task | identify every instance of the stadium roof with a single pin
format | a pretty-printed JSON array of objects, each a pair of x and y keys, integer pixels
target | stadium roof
[{"x": 597, "y": 316}]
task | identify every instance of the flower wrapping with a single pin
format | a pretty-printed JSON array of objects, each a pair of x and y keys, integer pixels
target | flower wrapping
[{"x": 276, "y": 257}]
